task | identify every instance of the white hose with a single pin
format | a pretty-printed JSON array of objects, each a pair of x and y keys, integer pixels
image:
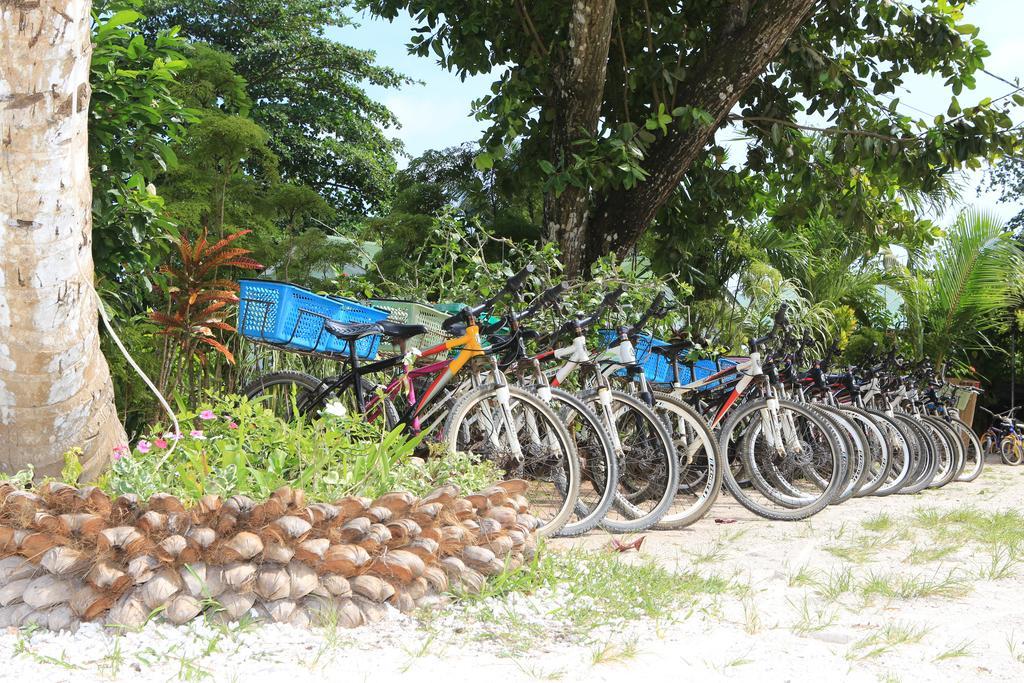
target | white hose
[{"x": 135, "y": 366}]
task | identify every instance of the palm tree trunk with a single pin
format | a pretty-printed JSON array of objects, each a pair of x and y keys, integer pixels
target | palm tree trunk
[{"x": 55, "y": 388}]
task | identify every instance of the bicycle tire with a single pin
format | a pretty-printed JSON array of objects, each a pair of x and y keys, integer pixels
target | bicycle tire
[
  {"x": 308, "y": 384},
  {"x": 972, "y": 468},
  {"x": 624, "y": 516},
  {"x": 742, "y": 495},
  {"x": 598, "y": 464},
  {"x": 693, "y": 474},
  {"x": 563, "y": 464},
  {"x": 878, "y": 454}
]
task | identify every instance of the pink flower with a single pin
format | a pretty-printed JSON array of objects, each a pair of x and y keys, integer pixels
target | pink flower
[
  {"x": 233, "y": 425},
  {"x": 207, "y": 415},
  {"x": 143, "y": 446},
  {"x": 176, "y": 436},
  {"x": 120, "y": 451},
  {"x": 197, "y": 434},
  {"x": 160, "y": 443}
]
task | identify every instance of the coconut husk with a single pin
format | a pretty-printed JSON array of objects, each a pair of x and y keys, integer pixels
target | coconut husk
[
  {"x": 478, "y": 501},
  {"x": 300, "y": 618},
  {"x": 234, "y": 605},
  {"x": 62, "y": 560},
  {"x": 424, "y": 515},
  {"x": 272, "y": 583},
  {"x": 499, "y": 545},
  {"x": 225, "y": 523},
  {"x": 7, "y": 543},
  {"x": 129, "y": 611},
  {"x": 417, "y": 588},
  {"x": 426, "y": 548},
  {"x": 443, "y": 495},
  {"x": 312, "y": 551},
  {"x": 105, "y": 575},
  {"x": 277, "y": 552},
  {"x": 162, "y": 587},
  {"x": 14, "y": 568},
  {"x": 171, "y": 548},
  {"x": 13, "y": 590},
  {"x": 517, "y": 537},
  {"x": 453, "y": 567},
  {"x": 266, "y": 512},
  {"x": 152, "y": 522},
  {"x": 208, "y": 505},
  {"x": 280, "y": 610},
  {"x": 21, "y": 504},
  {"x": 352, "y": 531},
  {"x": 290, "y": 527},
  {"x": 83, "y": 524},
  {"x": 239, "y": 576},
  {"x": 126, "y": 538},
  {"x": 505, "y": 516},
  {"x": 462, "y": 509},
  {"x": 350, "y": 507},
  {"x": 488, "y": 528},
  {"x": 397, "y": 502},
  {"x": 166, "y": 503},
  {"x": 182, "y": 608},
  {"x": 371, "y": 587},
  {"x": 344, "y": 559},
  {"x": 371, "y": 611},
  {"x": 239, "y": 505},
  {"x": 178, "y": 522},
  {"x": 454, "y": 538},
  {"x": 472, "y": 581},
  {"x": 336, "y": 585},
  {"x": 142, "y": 568},
  {"x": 46, "y": 591},
  {"x": 201, "y": 580},
  {"x": 203, "y": 536},
  {"x": 342, "y": 612},
  {"x": 34, "y": 545},
  {"x": 399, "y": 565},
  {"x": 403, "y": 602},
  {"x": 5, "y": 615},
  {"x": 50, "y": 524},
  {"x": 88, "y": 603},
  {"x": 436, "y": 578},
  {"x": 242, "y": 546},
  {"x": 528, "y": 522},
  {"x": 321, "y": 513},
  {"x": 375, "y": 539},
  {"x": 61, "y": 618},
  {"x": 302, "y": 580},
  {"x": 402, "y": 531},
  {"x": 123, "y": 511}
]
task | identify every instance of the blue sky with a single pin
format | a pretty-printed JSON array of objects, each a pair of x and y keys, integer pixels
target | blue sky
[{"x": 438, "y": 114}]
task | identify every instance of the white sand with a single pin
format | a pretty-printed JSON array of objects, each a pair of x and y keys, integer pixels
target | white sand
[{"x": 739, "y": 636}]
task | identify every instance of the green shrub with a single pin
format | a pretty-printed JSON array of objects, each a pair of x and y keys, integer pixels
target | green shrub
[{"x": 235, "y": 446}]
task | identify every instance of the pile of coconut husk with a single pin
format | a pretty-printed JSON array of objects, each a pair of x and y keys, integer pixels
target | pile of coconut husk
[{"x": 69, "y": 555}]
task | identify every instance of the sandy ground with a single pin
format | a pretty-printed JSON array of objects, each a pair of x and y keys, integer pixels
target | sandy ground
[{"x": 808, "y": 602}]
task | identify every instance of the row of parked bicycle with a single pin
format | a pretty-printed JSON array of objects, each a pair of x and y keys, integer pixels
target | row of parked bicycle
[{"x": 611, "y": 426}]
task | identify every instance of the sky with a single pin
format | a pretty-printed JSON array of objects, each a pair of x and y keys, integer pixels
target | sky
[{"x": 437, "y": 113}]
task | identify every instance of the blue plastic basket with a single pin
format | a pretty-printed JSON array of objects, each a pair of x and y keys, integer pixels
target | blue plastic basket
[
  {"x": 656, "y": 368},
  {"x": 292, "y": 317}
]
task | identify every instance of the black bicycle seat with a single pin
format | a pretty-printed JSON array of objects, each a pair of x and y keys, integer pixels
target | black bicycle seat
[
  {"x": 352, "y": 331},
  {"x": 398, "y": 331}
]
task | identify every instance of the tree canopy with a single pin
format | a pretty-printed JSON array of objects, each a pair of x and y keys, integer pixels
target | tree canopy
[{"x": 620, "y": 106}]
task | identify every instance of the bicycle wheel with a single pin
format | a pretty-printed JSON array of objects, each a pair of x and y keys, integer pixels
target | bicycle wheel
[
  {"x": 781, "y": 441},
  {"x": 928, "y": 460},
  {"x": 1011, "y": 452},
  {"x": 974, "y": 454},
  {"x": 853, "y": 444},
  {"x": 949, "y": 466},
  {"x": 904, "y": 451},
  {"x": 648, "y": 465},
  {"x": 878, "y": 455},
  {"x": 291, "y": 394},
  {"x": 700, "y": 467},
  {"x": 525, "y": 439},
  {"x": 599, "y": 468}
]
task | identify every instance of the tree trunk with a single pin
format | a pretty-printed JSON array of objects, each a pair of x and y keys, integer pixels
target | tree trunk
[
  {"x": 580, "y": 75},
  {"x": 715, "y": 84},
  {"x": 55, "y": 388}
]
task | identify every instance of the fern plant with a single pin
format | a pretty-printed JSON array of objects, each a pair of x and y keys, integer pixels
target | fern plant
[{"x": 198, "y": 297}]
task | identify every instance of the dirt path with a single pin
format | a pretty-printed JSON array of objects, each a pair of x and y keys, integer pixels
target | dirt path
[{"x": 906, "y": 588}]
